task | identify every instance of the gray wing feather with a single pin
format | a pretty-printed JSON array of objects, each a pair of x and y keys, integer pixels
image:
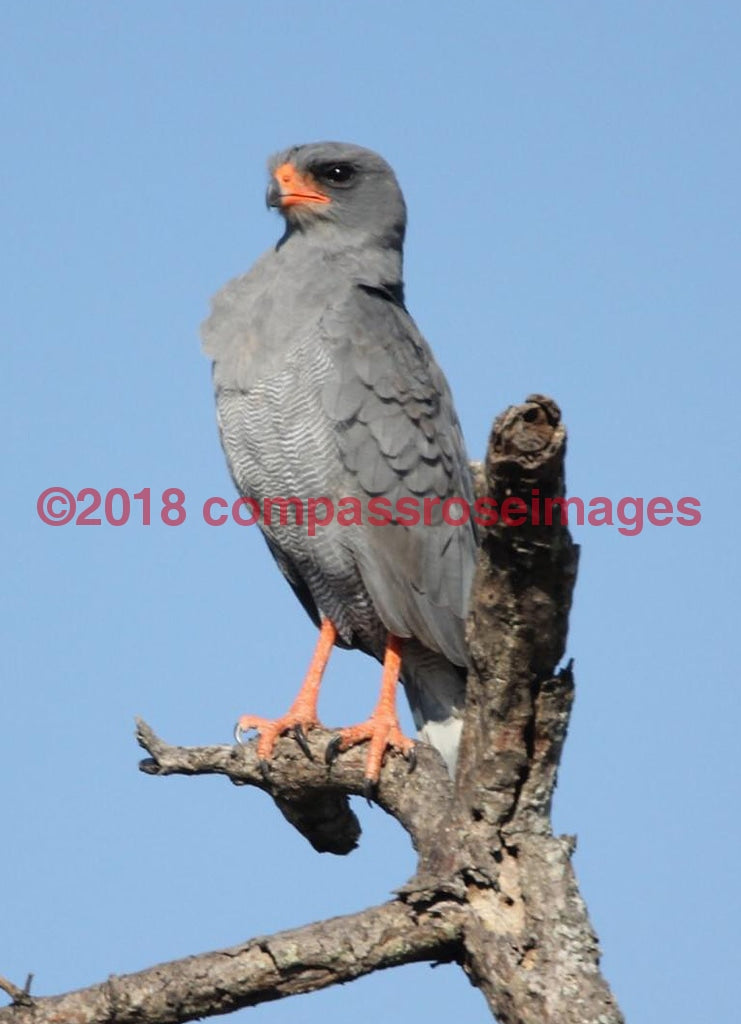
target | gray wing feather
[{"x": 399, "y": 437}]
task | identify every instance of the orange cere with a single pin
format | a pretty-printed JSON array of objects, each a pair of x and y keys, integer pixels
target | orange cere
[{"x": 297, "y": 188}]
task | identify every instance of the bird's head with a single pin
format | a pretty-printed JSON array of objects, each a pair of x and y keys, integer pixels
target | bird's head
[{"x": 326, "y": 185}]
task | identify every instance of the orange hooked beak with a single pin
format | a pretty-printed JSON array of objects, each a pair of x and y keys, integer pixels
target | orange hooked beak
[{"x": 293, "y": 188}]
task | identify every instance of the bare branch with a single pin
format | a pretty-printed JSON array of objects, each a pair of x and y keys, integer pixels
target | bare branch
[
  {"x": 529, "y": 944},
  {"x": 519, "y": 612},
  {"x": 19, "y": 996},
  {"x": 419, "y": 800},
  {"x": 261, "y": 970}
]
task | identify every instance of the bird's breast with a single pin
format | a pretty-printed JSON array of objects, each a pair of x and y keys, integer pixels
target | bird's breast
[{"x": 261, "y": 320}]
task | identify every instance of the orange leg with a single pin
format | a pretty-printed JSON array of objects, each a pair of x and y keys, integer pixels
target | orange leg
[
  {"x": 302, "y": 715},
  {"x": 382, "y": 729}
]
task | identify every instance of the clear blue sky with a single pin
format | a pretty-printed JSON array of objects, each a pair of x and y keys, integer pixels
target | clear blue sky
[{"x": 572, "y": 172}]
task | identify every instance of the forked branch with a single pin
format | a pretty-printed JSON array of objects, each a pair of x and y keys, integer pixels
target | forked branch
[{"x": 494, "y": 889}]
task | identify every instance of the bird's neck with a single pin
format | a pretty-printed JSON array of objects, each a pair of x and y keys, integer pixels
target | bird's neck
[{"x": 376, "y": 262}]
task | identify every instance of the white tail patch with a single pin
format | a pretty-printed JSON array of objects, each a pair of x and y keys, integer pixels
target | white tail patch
[{"x": 445, "y": 737}]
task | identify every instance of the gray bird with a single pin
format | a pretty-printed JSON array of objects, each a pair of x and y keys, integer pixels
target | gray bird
[{"x": 325, "y": 389}]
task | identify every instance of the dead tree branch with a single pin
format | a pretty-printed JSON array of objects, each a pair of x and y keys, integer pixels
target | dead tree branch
[
  {"x": 314, "y": 795},
  {"x": 494, "y": 889},
  {"x": 261, "y": 970}
]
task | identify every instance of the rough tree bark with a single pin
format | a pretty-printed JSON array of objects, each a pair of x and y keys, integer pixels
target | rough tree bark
[{"x": 494, "y": 889}]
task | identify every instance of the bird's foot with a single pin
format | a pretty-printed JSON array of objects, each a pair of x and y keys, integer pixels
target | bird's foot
[
  {"x": 382, "y": 732},
  {"x": 296, "y": 722}
]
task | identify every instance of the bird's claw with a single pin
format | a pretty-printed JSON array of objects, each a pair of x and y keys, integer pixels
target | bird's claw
[
  {"x": 330, "y": 756},
  {"x": 333, "y": 749},
  {"x": 262, "y": 763},
  {"x": 271, "y": 729},
  {"x": 300, "y": 736},
  {"x": 411, "y": 757}
]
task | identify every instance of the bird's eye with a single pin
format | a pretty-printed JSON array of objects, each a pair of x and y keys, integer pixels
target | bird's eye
[{"x": 338, "y": 174}]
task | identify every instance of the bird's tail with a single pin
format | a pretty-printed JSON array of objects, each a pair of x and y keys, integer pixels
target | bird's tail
[{"x": 436, "y": 691}]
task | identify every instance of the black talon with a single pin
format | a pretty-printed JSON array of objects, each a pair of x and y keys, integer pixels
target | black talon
[
  {"x": 369, "y": 790},
  {"x": 300, "y": 736},
  {"x": 333, "y": 749},
  {"x": 411, "y": 756},
  {"x": 264, "y": 767}
]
